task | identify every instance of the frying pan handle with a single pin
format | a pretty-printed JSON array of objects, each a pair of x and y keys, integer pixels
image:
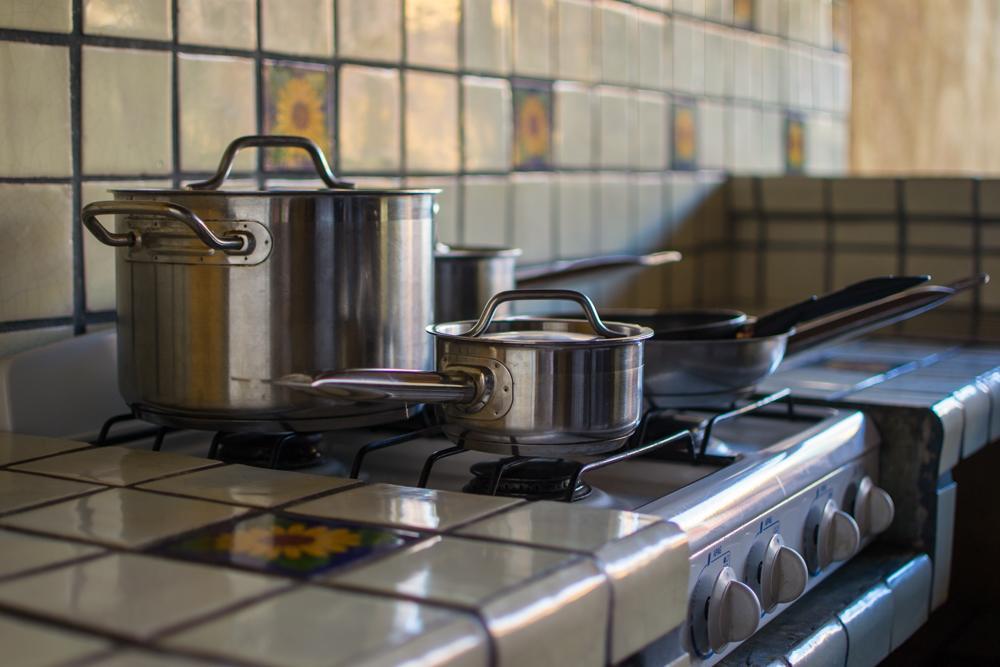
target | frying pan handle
[
  {"x": 238, "y": 243},
  {"x": 271, "y": 141},
  {"x": 543, "y": 295}
]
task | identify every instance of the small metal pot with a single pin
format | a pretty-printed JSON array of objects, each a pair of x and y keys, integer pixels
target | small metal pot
[
  {"x": 524, "y": 386},
  {"x": 218, "y": 292},
  {"x": 466, "y": 277}
]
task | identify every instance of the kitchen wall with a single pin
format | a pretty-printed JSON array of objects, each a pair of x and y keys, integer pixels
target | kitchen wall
[{"x": 565, "y": 127}]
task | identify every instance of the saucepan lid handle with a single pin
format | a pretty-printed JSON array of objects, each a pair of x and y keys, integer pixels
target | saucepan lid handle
[
  {"x": 480, "y": 327},
  {"x": 271, "y": 141}
]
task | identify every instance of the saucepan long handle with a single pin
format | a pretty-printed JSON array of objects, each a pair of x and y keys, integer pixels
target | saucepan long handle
[
  {"x": 528, "y": 275},
  {"x": 370, "y": 384}
]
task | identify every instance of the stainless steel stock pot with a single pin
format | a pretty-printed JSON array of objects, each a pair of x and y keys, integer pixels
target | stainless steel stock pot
[
  {"x": 218, "y": 292},
  {"x": 524, "y": 385}
]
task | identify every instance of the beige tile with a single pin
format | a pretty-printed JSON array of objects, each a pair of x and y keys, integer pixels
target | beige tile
[
  {"x": 13, "y": 342},
  {"x": 446, "y": 219},
  {"x": 35, "y": 88},
  {"x": 299, "y": 27},
  {"x": 794, "y": 193},
  {"x": 798, "y": 230},
  {"x": 573, "y": 141},
  {"x": 532, "y": 195},
  {"x": 118, "y": 466},
  {"x": 20, "y": 491},
  {"x": 863, "y": 195},
  {"x": 99, "y": 259},
  {"x": 503, "y": 582},
  {"x": 851, "y": 267},
  {"x": 369, "y": 29},
  {"x": 313, "y": 627},
  {"x": 614, "y": 222},
  {"x": 651, "y": 72},
  {"x": 226, "y": 23},
  {"x": 30, "y": 644},
  {"x": 47, "y": 15},
  {"x": 943, "y": 270},
  {"x": 956, "y": 235},
  {"x": 614, "y": 112},
  {"x": 652, "y": 214},
  {"x": 870, "y": 232},
  {"x": 117, "y": 139},
  {"x": 614, "y": 24},
  {"x": 989, "y": 196},
  {"x": 432, "y": 33},
  {"x": 792, "y": 275},
  {"x": 652, "y": 115},
  {"x": 36, "y": 262},
  {"x": 650, "y": 593},
  {"x": 137, "y": 658},
  {"x": 484, "y": 211},
  {"x": 123, "y": 517},
  {"x": 246, "y": 485},
  {"x": 533, "y": 37},
  {"x": 487, "y": 119},
  {"x": 486, "y": 35},
  {"x": 145, "y": 19},
  {"x": 22, "y": 552},
  {"x": 209, "y": 121},
  {"x": 576, "y": 219},
  {"x": 431, "y": 122},
  {"x": 575, "y": 59},
  {"x": 403, "y": 507},
  {"x": 15, "y": 447},
  {"x": 938, "y": 195},
  {"x": 133, "y": 595},
  {"x": 369, "y": 118}
]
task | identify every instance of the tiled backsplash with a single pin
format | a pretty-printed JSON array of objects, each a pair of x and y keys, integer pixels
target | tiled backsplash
[{"x": 562, "y": 126}]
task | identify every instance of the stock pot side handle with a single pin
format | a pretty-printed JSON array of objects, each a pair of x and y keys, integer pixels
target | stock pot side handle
[
  {"x": 271, "y": 141},
  {"x": 479, "y": 328},
  {"x": 236, "y": 244}
]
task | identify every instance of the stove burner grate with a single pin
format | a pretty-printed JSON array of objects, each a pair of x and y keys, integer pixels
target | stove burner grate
[
  {"x": 528, "y": 478},
  {"x": 282, "y": 451}
]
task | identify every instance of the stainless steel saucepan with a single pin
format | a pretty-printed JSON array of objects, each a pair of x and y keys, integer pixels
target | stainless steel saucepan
[
  {"x": 522, "y": 385},
  {"x": 466, "y": 277}
]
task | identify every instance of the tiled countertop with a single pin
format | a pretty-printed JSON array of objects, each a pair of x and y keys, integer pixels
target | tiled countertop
[{"x": 116, "y": 556}]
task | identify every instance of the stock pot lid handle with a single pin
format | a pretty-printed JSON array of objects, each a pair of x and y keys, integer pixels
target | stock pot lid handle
[
  {"x": 479, "y": 328},
  {"x": 271, "y": 141}
]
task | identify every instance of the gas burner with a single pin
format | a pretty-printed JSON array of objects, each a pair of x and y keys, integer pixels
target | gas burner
[
  {"x": 529, "y": 478},
  {"x": 284, "y": 451}
]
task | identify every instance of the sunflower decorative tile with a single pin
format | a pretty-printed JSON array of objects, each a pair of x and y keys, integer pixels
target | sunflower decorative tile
[
  {"x": 795, "y": 143},
  {"x": 743, "y": 13},
  {"x": 298, "y": 100},
  {"x": 685, "y": 135},
  {"x": 281, "y": 544},
  {"x": 532, "y": 125}
]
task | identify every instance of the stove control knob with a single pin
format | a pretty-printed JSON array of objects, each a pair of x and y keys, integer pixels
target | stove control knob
[
  {"x": 725, "y": 610},
  {"x": 777, "y": 573},
  {"x": 831, "y": 535},
  {"x": 872, "y": 507}
]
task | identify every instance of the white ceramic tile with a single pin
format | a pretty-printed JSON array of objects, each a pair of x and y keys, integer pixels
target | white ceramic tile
[
  {"x": 652, "y": 213},
  {"x": 652, "y": 120},
  {"x": 772, "y": 61},
  {"x": 772, "y": 139},
  {"x": 688, "y": 56},
  {"x": 718, "y": 61},
  {"x": 35, "y": 128},
  {"x": 15, "y": 447},
  {"x": 137, "y": 658},
  {"x": 246, "y": 485},
  {"x": 691, "y": 7},
  {"x": 225, "y": 23},
  {"x": 117, "y": 466},
  {"x": 20, "y": 491},
  {"x": 23, "y": 552},
  {"x": 486, "y": 35},
  {"x": 31, "y": 644},
  {"x": 484, "y": 211},
  {"x": 615, "y": 126},
  {"x": 487, "y": 123},
  {"x": 533, "y": 37},
  {"x": 47, "y": 15},
  {"x": 712, "y": 135},
  {"x": 652, "y": 64},
  {"x": 686, "y": 197},
  {"x": 209, "y": 121},
  {"x": 446, "y": 220},
  {"x": 369, "y": 118},
  {"x": 36, "y": 262},
  {"x": 116, "y": 139},
  {"x": 369, "y": 29},
  {"x": 403, "y": 507},
  {"x": 616, "y": 34},
  {"x": 313, "y": 627},
  {"x": 573, "y": 140},
  {"x": 767, "y": 16},
  {"x": 432, "y": 33},
  {"x": 576, "y": 222},
  {"x": 431, "y": 122},
  {"x": 145, "y": 19},
  {"x": 747, "y": 62},
  {"x": 615, "y": 221},
  {"x": 300, "y": 27},
  {"x": 841, "y": 84},
  {"x": 719, "y": 10},
  {"x": 133, "y": 595},
  {"x": 575, "y": 55},
  {"x": 12, "y": 342},
  {"x": 122, "y": 517},
  {"x": 532, "y": 202},
  {"x": 745, "y": 140}
]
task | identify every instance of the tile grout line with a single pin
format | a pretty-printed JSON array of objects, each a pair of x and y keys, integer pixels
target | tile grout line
[{"x": 76, "y": 195}]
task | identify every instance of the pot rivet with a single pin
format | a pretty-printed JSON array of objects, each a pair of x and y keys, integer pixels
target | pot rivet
[{"x": 506, "y": 388}]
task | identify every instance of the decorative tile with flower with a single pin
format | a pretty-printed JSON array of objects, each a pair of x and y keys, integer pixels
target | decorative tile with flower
[
  {"x": 532, "y": 125},
  {"x": 795, "y": 143},
  {"x": 685, "y": 135},
  {"x": 299, "y": 100}
]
